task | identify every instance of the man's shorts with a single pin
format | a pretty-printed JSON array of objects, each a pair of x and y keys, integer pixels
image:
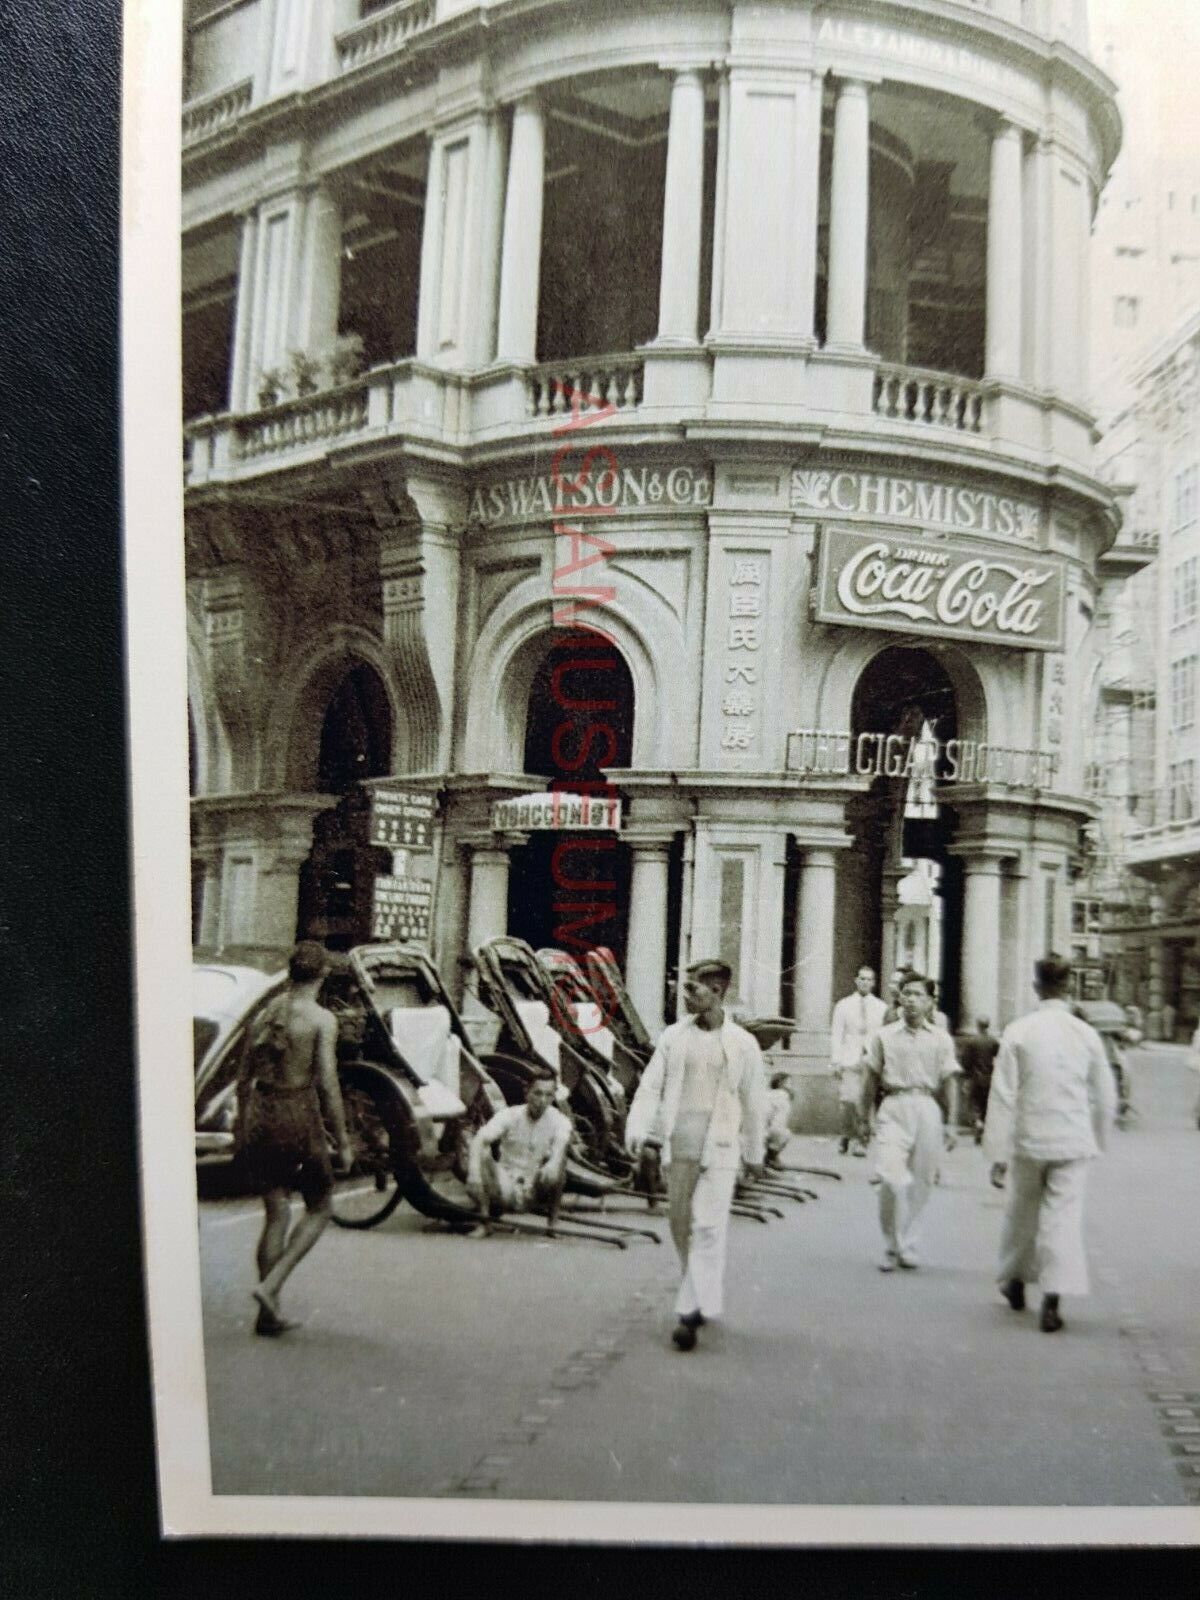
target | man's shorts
[
  {"x": 286, "y": 1147},
  {"x": 515, "y": 1191}
]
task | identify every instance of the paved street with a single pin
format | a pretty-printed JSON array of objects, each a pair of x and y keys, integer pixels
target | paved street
[{"x": 514, "y": 1368}]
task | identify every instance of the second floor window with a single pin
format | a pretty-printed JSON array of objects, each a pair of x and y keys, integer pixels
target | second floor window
[
  {"x": 1183, "y": 509},
  {"x": 1125, "y": 311},
  {"x": 1185, "y": 592},
  {"x": 1181, "y": 791},
  {"x": 1183, "y": 694}
]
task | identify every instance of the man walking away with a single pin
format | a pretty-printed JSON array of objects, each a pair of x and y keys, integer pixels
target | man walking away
[
  {"x": 854, "y": 1020},
  {"x": 519, "y": 1157},
  {"x": 910, "y": 1062},
  {"x": 286, "y": 1076},
  {"x": 704, "y": 1095},
  {"x": 1049, "y": 1112},
  {"x": 977, "y": 1057}
]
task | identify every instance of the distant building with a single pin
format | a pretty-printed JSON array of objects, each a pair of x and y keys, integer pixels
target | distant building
[{"x": 1138, "y": 906}]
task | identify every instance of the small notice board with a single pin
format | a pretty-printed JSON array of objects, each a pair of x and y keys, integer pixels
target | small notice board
[
  {"x": 401, "y": 909},
  {"x": 402, "y": 819}
]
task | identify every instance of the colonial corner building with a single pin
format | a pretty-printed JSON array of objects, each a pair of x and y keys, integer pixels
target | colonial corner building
[{"x": 753, "y": 336}]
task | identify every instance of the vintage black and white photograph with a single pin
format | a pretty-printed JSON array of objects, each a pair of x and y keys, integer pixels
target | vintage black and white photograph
[{"x": 682, "y": 611}]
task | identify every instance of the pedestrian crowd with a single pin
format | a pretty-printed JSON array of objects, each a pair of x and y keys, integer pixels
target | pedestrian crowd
[{"x": 1041, "y": 1100}]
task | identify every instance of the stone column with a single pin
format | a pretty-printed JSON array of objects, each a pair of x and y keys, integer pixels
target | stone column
[
  {"x": 849, "y": 217},
  {"x": 521, "y": 253},
  {"x": 240, "y": 376},
  {"x": 495, "y": 164},
  {"x": 1005, "y": 254},
  {"x": 679, "y": 290},
  {"x": 815, "y": 910},
  {"x": 889, "y": 904},
  {"x": 487, "y": 903},
  {"x": 981, "y": 939},
  {"x": 318, "y": 298},
  {"x": 646, "y": 946}
]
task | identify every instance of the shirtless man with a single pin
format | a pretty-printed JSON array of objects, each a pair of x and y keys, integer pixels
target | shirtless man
[{"x": 286, "y": 1077}]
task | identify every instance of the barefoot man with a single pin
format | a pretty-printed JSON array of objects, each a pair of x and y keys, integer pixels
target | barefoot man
[
  {"x": 518, "y": 1159},
  {"x": 287, "y": 1075}
]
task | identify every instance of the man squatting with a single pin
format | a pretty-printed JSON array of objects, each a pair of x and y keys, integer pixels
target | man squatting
[{"x": 703, "y": 1095}]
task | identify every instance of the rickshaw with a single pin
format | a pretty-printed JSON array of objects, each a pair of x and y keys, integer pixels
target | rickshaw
[
  {"x": 414, "y": 1093},
  {"x": 1113, "y": 1025},
  {"x": 583, "y": 1021}
]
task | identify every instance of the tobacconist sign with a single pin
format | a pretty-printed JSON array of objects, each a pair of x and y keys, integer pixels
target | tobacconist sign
[
  {"x": 402, "y": 819},
  {"x": 946, "y": 589},
  {"x": 555, "y": 812}
]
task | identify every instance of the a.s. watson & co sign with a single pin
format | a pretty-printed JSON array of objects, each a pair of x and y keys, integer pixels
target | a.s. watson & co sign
[{"x": 946, "y": 589}]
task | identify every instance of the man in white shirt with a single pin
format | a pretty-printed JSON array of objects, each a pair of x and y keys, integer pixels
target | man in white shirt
[
  {"x": 1051, "y": 1105},
  {"x": 518, "y": 1158},
  {"x": 703, "y": 1095},
  {"x": 910, "y": 1063},
  {"x": 854, "y": 1020}
]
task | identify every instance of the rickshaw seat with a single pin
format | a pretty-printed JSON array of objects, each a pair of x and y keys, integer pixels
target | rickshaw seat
[
  {"x": 423, "y": 1036},
  {"x": 590, "y": 1021},
  {"x": 535, "y": 1018}
]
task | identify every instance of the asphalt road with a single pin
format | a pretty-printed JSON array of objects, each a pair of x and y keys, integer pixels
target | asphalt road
[{"x": 515, "y": 1368}]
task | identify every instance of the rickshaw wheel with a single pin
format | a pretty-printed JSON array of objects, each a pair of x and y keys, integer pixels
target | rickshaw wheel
[{"x": 370, "y": 1193}]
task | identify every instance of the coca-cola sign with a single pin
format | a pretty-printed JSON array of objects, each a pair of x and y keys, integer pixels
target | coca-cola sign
[{"x": 942, "y": 587}]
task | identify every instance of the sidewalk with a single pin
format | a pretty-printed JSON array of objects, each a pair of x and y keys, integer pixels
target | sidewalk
[{"x": 517, "y": 1369}]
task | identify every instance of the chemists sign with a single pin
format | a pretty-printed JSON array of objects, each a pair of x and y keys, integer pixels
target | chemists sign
[{"x": 943, "y": 588}]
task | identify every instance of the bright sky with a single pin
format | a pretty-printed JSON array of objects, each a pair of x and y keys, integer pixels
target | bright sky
[{"x": 1155, "y": 58}]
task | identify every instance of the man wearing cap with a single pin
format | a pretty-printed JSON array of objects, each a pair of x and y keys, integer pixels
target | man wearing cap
[
  {"x": 704, "y": 1096},
  {"x": 910, "y": 1063}
]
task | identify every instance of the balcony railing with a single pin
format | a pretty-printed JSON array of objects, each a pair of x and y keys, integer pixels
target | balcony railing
[
  {"x": 562, "y": 387},
  {"x": 383, "y": 32},
  {"x": 1168, "y": 824},
  {"x": 911, "y": 394},
  {"x": 206, "y": 116},
  {"x": 296, "y": 424}
]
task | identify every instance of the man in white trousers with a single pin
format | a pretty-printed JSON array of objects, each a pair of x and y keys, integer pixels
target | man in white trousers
[
  {"x": 854, "y": 1020},
  {"x": 909, "y": 1063},
  {"x": 1050, "y": 1108},
  {"x": 704, "y": 1096}
]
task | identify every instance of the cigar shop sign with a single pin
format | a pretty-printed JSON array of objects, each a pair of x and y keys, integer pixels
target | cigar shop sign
[{"x": 943, "y": 588}]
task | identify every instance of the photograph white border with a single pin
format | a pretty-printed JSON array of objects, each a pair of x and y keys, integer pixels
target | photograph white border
[{"x": 157, "y": 698}]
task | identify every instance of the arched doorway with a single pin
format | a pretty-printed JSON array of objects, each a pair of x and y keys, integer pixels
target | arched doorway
[
  {"x": 571, "y": 890},
  {"x": 356, "y": 733},
  {"x": 335, "y": 883},
  {"x": 910, "y": 887}
]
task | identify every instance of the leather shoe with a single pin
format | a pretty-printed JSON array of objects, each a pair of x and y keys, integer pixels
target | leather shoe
[
  {"x": 1014, "y": 1292},
  {"x": 683, "y": 1335},
  {"x": 1050, "y": 1321}
]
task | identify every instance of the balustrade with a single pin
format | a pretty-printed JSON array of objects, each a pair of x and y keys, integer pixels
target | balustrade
[
  {"x": 205, "y": 116},
  {"x": 937, "y": 399},
  {"x": 314, "y": 419},
  {"x": 587, "y": 384},
  {"x": 383, "y": 32}
]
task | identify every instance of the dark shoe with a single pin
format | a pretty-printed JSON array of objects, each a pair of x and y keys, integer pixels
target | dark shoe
[
  {"x": 1014, "y": 1292},
  {"x": 887, "y": 1262},
  {"x": 683, "y": 1335},
  {"x": 1050, "y": 1321},
  {"x": 843, "y": 1146},
  {"x": 269, "y": 1327}
]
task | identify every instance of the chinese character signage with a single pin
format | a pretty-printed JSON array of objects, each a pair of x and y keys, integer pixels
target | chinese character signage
[
  {"x": 402, "y": 819},
  {"x": 744, "y": 623},
  {"x": 943, "y": 588},
  {"x": 400, "y": 909}
]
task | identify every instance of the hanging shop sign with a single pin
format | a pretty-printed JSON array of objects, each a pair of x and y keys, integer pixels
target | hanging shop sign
[
  {"x": 556, "y": 812},
  {"x": 548, "y": 495},
  {"x": 400, "y": 908},
  {"x": 402, "y": 819},
  {"x": 918, "y": 502},
  {"x": 833, "y": 753},
  {"x": 944, "y": 589}
]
